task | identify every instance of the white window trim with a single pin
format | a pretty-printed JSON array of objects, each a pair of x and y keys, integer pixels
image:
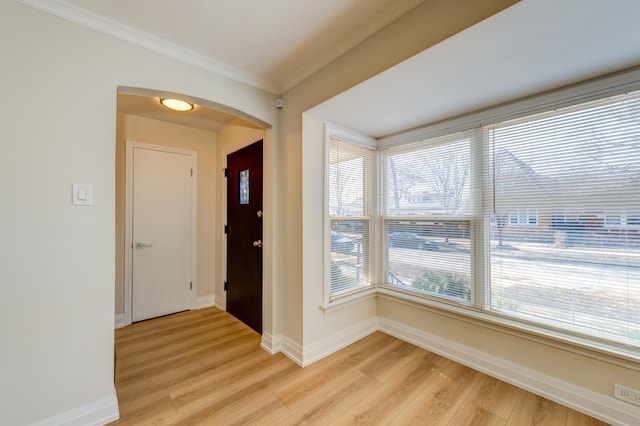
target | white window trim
[
  {"x": 332, "y": 301},
  {"x": 480, "y": 261},
  {"x": 349, "y": 298}
]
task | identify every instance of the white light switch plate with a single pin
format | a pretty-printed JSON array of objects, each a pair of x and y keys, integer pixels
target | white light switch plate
[{"x": 82, "y": 195}]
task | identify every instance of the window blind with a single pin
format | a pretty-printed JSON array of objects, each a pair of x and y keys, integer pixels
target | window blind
[
  {"x": 534, "y": 220},
  {"x": 348, "y": 202},
  {"x": 428, "y": 203},
  {"x": 431, "y": 178},
  {"x": 565, "y": 218}
]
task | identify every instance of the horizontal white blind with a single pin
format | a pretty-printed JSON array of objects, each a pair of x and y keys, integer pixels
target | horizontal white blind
[
  {"x": 350, "y": 254},
  {"x": 430, "y": 179},
  {"x": 565, "y": 218},
  {"x": 427, "y": 180},
  {"x": 348, "y": 171},
  {"x": 350, "y": 245},
  {"x": 430, "y": 257}
]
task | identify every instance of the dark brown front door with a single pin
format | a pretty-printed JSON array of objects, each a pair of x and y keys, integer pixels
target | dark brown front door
[{"x": 244, "y": 235}]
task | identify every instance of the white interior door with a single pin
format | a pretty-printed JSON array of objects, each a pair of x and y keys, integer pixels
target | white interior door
[{"x": 162, "y": 232}]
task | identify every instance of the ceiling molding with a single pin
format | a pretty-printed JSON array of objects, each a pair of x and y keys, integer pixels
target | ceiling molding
[
  {"x": 325, "y": 56},
  {"x": 315, "y": 61},
  {"x": 91, "y": 20}
]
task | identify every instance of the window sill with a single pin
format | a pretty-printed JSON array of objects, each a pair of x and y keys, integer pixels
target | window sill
[
  {"x": 348, "y": 299},
  {"x": 602, "y": 351}
]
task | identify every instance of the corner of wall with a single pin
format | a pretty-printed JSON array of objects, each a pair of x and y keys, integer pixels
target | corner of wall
[
  {"x": 205, "y": 301},
  {"x": 343, "y": 338},
  {"x": 280, "y": 343}
]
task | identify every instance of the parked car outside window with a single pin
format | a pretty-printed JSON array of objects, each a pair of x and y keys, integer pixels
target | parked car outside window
[
  {"x": 340, "y": 243},
  {"x": 411, "y": 240}
]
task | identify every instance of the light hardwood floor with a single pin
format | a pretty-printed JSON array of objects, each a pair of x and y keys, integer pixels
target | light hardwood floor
[{"x": 206, "y": 367}]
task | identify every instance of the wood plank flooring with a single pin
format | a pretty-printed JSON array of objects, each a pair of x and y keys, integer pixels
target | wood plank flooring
[{"x": 207, "y": 368}]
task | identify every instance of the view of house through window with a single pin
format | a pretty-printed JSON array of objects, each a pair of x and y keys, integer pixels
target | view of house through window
[
  {"x": 428, "y": 203},
  {"x": 536, "y": 219},
  {"x": 570, "y": 177}
]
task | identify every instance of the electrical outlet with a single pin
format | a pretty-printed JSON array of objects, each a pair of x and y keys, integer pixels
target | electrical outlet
[{"x": 626, "y": 394}]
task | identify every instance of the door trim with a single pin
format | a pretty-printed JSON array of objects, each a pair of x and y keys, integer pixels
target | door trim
[{"x": 128, "y": 229}]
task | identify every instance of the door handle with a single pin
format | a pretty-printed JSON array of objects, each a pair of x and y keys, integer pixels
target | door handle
[
  {"x": 257, "y": 243},
  {"x": 141, "y": 245}
]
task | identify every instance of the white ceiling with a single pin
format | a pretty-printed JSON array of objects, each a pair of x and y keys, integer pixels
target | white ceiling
[
  {"x": 272, "y": 45},
  {"x": 530, "y": 47}
]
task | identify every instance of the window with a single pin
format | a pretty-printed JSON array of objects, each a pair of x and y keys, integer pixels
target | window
[
  {"x": 533, "y": 219},
  {"x": 578, "y": 270},
  {"x": 523, "y": 217},
  {"x": 427, "y": 228},
  {"x": 349, "y": 169}
]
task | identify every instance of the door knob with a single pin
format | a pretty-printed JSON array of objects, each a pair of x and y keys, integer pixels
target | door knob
[
  {"x": 257, "y": 243},
  {"x": 141, "y": 245}
]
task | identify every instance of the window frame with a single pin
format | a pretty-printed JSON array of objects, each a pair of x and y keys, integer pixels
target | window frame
[
  {"x": 563, "y": 98},
  {"x": 469, "y": 219},
  {"x": 358, "y": 141}
]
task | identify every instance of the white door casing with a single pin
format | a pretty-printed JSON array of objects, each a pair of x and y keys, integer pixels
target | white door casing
[{"x": 160, "y": 240}]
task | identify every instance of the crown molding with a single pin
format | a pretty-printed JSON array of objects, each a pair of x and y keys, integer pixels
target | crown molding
[
  {"x": 86, "y": 18},
  {"x": 324, "y": 57},
  {"x": 316, "y": 62}
]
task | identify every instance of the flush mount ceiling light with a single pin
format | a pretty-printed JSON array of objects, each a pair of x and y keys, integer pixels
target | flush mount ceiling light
[{"x": 176, "y": 104}]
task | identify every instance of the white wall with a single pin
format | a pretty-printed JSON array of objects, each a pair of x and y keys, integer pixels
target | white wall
[
  {"x": 313, "y": 331},
  {"x": 57, "y": 261}
]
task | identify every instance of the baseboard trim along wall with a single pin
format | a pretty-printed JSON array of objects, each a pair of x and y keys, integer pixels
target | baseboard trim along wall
[
  {"x": 119, "y": 321},
  {"x": 218, "y": 302},
  {"x": 600, "y": 406},
  {"x": 268, "y": 343},
  {"x": 316, "y": 351},
  {"x": 205, "y": 302},
  {"x": 96, "y": 413},
  {"x": 279, "y": 343}
]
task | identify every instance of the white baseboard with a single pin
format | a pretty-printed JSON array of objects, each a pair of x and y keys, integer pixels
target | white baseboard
[
  {"x": 119, "y": 321},
  {"x": 97, "y": 413},
  {"x": 267, "y": 343},
  {"x": 600, "y": 406},
  {"x": 291, "y": 349},
  {"x": 205, "y": 302},
  {"x": 304, "y": 356},
  {"x": 279, "y": 343},
  {"x": 218, "y": 302},
  {"x": 316, "y": 351}
]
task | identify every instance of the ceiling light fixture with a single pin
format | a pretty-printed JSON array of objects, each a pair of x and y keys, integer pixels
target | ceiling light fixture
[{"x": 176, "y": 104}]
